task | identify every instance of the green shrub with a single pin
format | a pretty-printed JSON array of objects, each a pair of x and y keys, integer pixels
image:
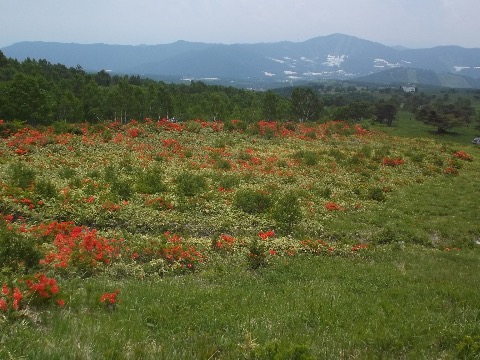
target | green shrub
[
  {"x": 252, "y": 201},
  {"x": 66, "y": 173},
  {"x": 229, "y": 181},
  {"x": 189, "y": 184},
  {"x": 287, "y": 212},
  {"x": 307, "y": 157},
  {"x": 20, "y": 175},
  {"x": 222, "y": 164},
  {"x": 193, "y": 126},
  {"x": 150, "y": 182},
  {"x": 122, "y": 188},
  {"x": 376, "y": 193},
  {"x": 17, "y": 252},
  {"x": 46, "y": 189},
  {"x": 257, "y": 254}
]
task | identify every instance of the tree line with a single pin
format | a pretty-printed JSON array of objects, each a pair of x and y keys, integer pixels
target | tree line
[{"x": 40, "y": 93}]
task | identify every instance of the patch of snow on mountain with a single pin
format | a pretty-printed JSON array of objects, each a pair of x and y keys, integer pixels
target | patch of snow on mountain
[
  {"x": 305, "y": 59},
  {"x": 290, "y": 72},
  {"x": 333, "y": 60},
  {"x": 406, "y": 62},
  {"x": 294, "y": 77},
  {"x": 312, "y": 73},
  {"x": 380, "y": 63},
  {"x": 268, "y": 73},
  {"x": 460, "y": 68},
  {"x": 277, "y": 60}
]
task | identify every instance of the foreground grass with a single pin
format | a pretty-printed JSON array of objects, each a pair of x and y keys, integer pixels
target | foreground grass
[
  {"x": 389, "y": 303},
  {"x": 411, "y": 293}
]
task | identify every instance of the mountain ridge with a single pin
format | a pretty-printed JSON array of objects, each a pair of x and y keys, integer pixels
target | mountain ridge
[{"x": 335, "y": 56}]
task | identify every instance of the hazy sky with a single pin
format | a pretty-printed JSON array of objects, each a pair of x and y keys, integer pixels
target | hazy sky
[{"x": 411, "y": 23}]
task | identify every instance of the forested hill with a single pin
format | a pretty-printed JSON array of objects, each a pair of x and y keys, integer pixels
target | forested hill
[{"x": 40, "y": 93}]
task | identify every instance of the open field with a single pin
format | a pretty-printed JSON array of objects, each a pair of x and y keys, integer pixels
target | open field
[{"x": 229, "y": 240}]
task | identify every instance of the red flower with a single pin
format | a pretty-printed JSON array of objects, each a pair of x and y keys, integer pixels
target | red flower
[
  {"x": 393, "y": 162},
  {"x": 3, "y": 305},
  {"x": 331, "y": 206},
  {"x": 462, "y": 155},
  {"x": 110, "y": 298},
  {"x": 267, "y": 234}
]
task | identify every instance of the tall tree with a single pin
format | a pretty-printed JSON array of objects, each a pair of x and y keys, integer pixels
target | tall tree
[
  {"x": 27, "y": 98},
  {"x": 270, "y": 105},
  {"x": 386, "y": 111},
  {"x": 306, "y": 105},
  {"x": 446, "y": 115}
]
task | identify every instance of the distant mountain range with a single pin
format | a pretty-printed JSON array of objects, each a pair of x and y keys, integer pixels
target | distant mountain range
[{"x": 334, "y": 56}]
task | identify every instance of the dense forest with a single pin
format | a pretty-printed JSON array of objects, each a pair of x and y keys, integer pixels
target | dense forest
[{"x": 39, "y": 93}]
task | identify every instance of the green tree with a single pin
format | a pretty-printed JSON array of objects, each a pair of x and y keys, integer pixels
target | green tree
[
  {"x": 270, "y": 105},
  {"x": 386, "y": 111},
  {"x": 306, "y": 105},
  {"x": 27, "y": 98},
  {"x": 445, "y": 115}
]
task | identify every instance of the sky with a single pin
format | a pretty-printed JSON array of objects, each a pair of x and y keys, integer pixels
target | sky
[{"x": 409, "y": 23}]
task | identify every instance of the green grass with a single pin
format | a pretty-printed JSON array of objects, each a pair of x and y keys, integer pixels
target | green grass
[
  {"x": 407, "y": 126},
  {"x": 411, "y": 294},
  {"x": 428, "y": 213},
  {"x": 389, "y": 304}
]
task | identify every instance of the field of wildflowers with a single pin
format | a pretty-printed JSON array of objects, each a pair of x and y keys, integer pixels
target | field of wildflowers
[{"x": 148, "y": 199}]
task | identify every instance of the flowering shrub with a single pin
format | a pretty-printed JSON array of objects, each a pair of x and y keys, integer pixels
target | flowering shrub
[
  {"x": 10, "y": 298},
  {"x": 110, "y": 300},
  {"x": 393, "y": 161},
  {"x": 267, "y": 234},
  {"x": 42, "y": 289},
  {"x": 359, "y": 247},
  {"x": 225, "y": 243},
  {"x": 462, "y": 155},
  {"x": 83, "y": 249},
  {"x": 331, "y": 206},
  {"x": 34, "y": 290}
]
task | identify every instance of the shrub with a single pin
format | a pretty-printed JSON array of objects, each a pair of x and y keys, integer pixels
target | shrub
[
  {"x": 257, "y": 254},
  {"x": 222, "y": 164},
  {"x": 46, "y": 189},
  {"x": 252, "y": 201},
  {"x": 287, "y": 212},
  {"x": 376, "y": 193},
  {"x": 229, "y": 181},
  {"x": 188, "y": 184},
  {"x": 20, "y": 175},
  {"x": 17, "y": 252},
  {"x": 150, "y": 182},
  {"x": 307, "y": 157},
  {"x": 122, "y": 188}
]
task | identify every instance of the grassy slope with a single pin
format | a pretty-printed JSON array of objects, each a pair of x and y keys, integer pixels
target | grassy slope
[
  {"x": 413, "y": 303},
  {"x": 394, "y": 302}
]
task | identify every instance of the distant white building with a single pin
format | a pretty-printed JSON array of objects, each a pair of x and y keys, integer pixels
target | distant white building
[{"x": 409, "y": 89}]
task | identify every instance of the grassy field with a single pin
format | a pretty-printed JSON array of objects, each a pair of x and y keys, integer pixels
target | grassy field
[{"x": 227, "y": 241}]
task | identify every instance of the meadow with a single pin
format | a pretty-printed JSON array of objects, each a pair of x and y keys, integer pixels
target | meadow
[{"x": 228, "y": 240}]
